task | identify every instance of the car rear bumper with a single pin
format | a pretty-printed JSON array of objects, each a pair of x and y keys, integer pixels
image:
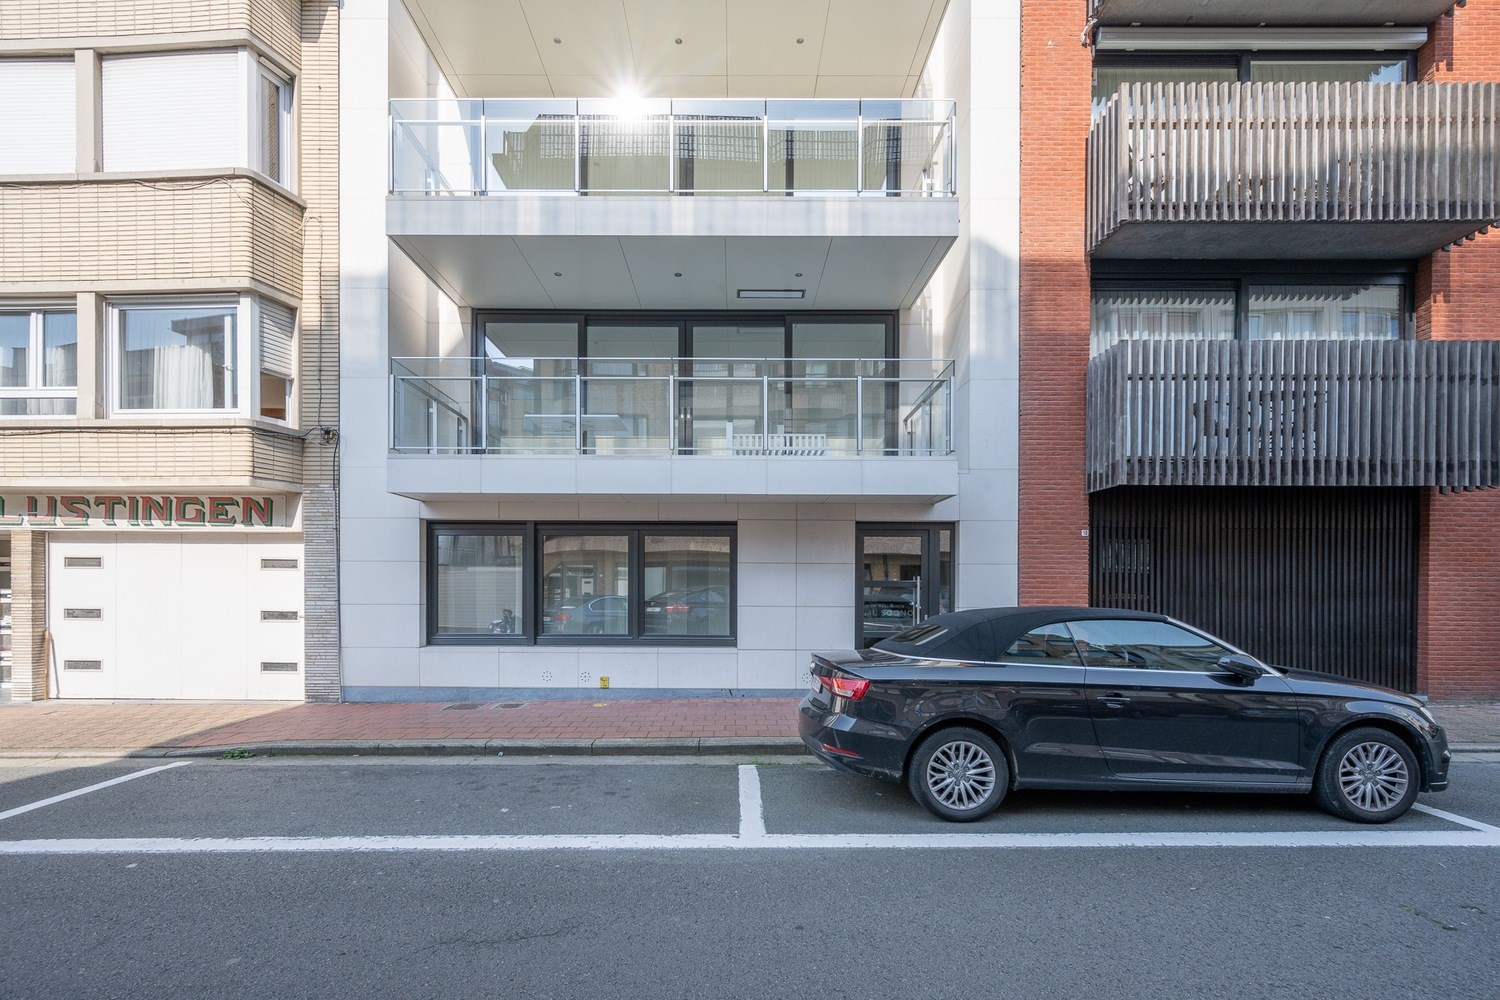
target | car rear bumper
[{"x": 849, "y": 743}]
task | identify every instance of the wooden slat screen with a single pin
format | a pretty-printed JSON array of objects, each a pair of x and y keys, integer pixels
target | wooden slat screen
[
  {"x": 1295, "y": 413},
  {"x": 1295, "y": 152},
  {"x": 1322, "y": 579}
]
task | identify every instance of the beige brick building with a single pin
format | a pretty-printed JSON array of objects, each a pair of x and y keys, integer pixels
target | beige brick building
[{"x": 168, "y": 348}]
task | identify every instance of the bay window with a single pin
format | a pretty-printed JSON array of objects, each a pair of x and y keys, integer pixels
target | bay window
[{"x": 176, "y": 357}]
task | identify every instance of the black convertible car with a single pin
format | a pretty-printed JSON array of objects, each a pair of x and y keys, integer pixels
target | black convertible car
[{"x": 968, "y": 705}]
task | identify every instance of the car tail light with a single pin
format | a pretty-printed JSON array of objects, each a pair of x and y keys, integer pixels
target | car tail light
[
  {"x": 853, "y": 688},
  {"x": 839, "y": 751},
  {"x": 678, "y": 609},
  {"x": 562, "y": 616}
]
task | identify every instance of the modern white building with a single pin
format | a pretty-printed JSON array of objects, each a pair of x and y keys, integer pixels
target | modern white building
[{"x": 679, "y": 336}]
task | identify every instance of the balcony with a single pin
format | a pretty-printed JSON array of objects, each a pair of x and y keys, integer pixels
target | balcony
[
  {"x": 674, "y": 204},
  {"x": 1295, "y": 413},
  {"x": 1265, "y": 170},
  {"x": 672, "y": 428},
  {"x": 1277, "y": 13}
]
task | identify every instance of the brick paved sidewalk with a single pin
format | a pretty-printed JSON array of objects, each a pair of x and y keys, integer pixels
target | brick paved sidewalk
[
  {"x": 127, "y": 726},
  {"x": 138, "y": 725}
]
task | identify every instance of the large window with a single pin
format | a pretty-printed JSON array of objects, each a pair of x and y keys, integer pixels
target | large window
[
  {"x": 571, "y": 583},
  {"x": 38, "y": 362},
  {"x": 515, "y": 337},
  {"x": 1114, "y": 71},
  {"x": 1253, "y": 307},
  {"x": 176, "y": 357}
]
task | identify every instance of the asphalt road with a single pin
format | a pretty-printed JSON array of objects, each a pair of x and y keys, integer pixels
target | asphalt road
[{"x": 706, "y": 878}]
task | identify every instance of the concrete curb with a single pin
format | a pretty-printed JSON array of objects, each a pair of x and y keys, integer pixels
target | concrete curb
[{"x": 691, "y": 746}]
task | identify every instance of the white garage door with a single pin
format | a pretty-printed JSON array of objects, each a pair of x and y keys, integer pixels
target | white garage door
[{"x": 175, "y": 616}]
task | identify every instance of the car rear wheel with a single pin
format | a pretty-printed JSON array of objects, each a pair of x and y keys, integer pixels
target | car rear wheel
[
  {"x": 959, "y": 775},
  {"x": 1368, "y": 776}
]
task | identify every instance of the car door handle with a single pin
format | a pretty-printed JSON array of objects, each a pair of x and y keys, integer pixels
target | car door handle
[{"x": 1113, "y": 700}]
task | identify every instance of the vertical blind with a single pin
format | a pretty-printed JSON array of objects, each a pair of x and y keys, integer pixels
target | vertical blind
[
  {"x": 38, "y": 116},
  {"x": 175, "y": 111}
]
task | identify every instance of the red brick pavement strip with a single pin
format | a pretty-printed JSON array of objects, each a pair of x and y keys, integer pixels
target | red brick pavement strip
[
  {"x": 141, "y": 725},
  {"x": 84, "y": 726}
]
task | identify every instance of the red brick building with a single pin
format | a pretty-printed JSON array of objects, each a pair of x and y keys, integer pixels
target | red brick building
[{"x": 1252, "y": 236}]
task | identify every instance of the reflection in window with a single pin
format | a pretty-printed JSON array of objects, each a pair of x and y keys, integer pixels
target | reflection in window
[
  {"x": 38, "y": 363},
  {"x": 1315, "y": 312},
  {"x": 1328, "y": 70},
  {"x": 585, "y": 585},
  {"x": 177, "y": 358},
  {"x": 479, "y": 583},
  {"x": 687, "y": 577},
  {"x": 1144, "y": 645},
  {"x": 1109, "y": 79},
  {"x": 1049, "y": 644},
  {"x": 1160, "y": 313}
]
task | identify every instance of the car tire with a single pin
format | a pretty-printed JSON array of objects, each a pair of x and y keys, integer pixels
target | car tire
[
  {"x": 1368, "y": 776},
  {"x": 959, "y": 775}
]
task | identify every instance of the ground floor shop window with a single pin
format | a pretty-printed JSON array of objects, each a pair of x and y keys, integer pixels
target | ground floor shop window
[{"x": 572, "y": 583}]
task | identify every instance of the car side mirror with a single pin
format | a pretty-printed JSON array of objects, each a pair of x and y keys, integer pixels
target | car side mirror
[{"x": 1246, "y": 668}]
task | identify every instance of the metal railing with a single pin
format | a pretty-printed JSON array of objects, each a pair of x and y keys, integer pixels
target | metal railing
[
  {"x": 1295, "y": 413},
  {"x": 672, "y": 406},
  {"x": 890, "y": 147},
  {"x": 1295, "y": 152}
]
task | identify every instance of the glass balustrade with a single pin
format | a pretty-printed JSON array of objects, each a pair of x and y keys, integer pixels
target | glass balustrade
[
  {"x": 685, "y": 147},
  {"x": 667, "y": 406}
]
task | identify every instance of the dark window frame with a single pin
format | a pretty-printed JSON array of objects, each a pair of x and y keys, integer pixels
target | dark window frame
[
  {"x": 1238, "y": 278},
  {"x": 684, "y": 321},
  {"x": 1240, "y": 59},
  {"x": 532, "y": 535},
  {"x": 931, "y": 555}
]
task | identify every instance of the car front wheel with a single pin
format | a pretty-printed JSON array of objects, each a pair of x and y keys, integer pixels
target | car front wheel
[
  {"x": 959, "y": 775},
  {"x": 1368, "y": 776}
]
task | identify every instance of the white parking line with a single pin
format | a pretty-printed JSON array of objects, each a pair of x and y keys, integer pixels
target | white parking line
[
  {"x": 731, "y": 842},
  {"x": 1472, "y": 824},
  {"x": 752, "y": 812},
  {"x": 18, "y": 810}
]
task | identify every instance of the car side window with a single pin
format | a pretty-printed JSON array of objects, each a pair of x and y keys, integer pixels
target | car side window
[
  {"x": 1051, "y": 644},
  {"x": 1144, "y": 645}
]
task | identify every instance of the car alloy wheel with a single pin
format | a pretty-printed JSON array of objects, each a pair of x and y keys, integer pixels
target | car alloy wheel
[
  {"x": 959, "y": 774},
  {"x": 1369, "y": 776},
  {"x": 1373, "y": 776}
]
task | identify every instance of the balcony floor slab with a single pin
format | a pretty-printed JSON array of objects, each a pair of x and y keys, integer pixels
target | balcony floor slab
[{"x": 880, "y": 479}]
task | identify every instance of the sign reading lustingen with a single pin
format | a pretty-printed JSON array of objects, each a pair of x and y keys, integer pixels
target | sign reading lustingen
[{"x": 131, "y": 511}]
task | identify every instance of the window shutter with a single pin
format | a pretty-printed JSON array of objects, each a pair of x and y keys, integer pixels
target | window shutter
[
  {"x": 176, "y": 111},
  {"x": 38, "y": 116},
  {"x": 277, "y": 323}
]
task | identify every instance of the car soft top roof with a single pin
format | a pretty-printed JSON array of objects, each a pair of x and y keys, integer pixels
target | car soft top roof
[{"x": 984, "y": 633}]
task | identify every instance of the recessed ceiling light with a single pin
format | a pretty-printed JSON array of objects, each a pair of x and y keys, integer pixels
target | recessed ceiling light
[
  {"x": 771, "y": 293},
  {"x": 557, "y": 274},
  {"x": 556, "y": 40},
  {"x": 797, "y": 275},
  {"x": 677, "y": 40},
  {"x": 800, "y": 39},
  {"x": 676, "y": 274}
]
